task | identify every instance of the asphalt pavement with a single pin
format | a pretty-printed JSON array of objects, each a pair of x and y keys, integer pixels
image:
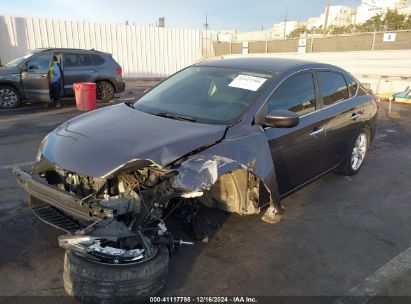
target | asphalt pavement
[{"x": 336, "y": 234}]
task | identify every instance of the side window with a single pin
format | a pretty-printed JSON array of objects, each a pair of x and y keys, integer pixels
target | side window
[
  {"x": 80, "y": 60},
  {"x": 70, "y": 60},
  {"x": 41, "y": 62},
  {"x": 85, "y": 60},
  {"x": 96, "y": 59},
  {"x": 333, "y": 87},
  {"x": 363, "y": 91},
  {"x": 89, "y": 59},
  {"x": 296, "y": 94},
  {"x": 352, "y": 85}
]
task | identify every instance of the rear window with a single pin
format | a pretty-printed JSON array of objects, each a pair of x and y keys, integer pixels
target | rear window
[
  {"x": 79, "y": 60},
  {"x": 333, "y": 87}
]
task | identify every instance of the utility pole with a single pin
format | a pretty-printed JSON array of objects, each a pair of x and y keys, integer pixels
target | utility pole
[
  {"x": 285, "y": 21},
  {"x": 206, "y": 23},
  {"x": 327, "y": 11}
]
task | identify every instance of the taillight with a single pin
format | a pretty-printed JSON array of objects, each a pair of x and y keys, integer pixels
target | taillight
[
  {"x": 119, "y": 71},
  {"x": 377, "y": 101}
]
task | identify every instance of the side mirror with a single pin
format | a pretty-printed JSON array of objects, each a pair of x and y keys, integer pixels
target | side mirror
[
  {"x": 33, "y": 67},
  {"x": 281, "y": 119}
]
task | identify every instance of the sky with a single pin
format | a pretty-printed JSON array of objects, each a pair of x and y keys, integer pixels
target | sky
[{"x": 242, "y": 15}]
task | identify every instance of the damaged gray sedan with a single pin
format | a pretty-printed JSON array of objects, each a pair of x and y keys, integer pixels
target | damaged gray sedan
[{"x": 234, "y": 134}]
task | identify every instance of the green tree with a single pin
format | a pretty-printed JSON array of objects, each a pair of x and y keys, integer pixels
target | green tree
[
  {"x": 297, "y": 32},
  {"x": 389, "y": 21},
  {"x": 335, "y": 30},
  {"x": 394, "y": 21},
  {"x": 373, "y": 24}
]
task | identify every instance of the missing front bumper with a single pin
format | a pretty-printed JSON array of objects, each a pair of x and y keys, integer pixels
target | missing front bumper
[{"x": 66, "y": 202}]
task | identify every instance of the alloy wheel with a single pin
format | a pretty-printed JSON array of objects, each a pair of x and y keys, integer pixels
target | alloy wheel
[
  {"x": 104, "y": 91},
  {"x": 359, "y": 151},
  {"x": 8, "y": 98}
]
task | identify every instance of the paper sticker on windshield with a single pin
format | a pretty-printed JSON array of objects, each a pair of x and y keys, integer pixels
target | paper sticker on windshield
[{"x": 247, "y": 82}]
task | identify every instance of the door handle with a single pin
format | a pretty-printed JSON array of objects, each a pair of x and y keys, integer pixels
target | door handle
[
  {"x": 316, "y": 132},
  {"x": 44, "y": 75},
  {"x": 354, "y": 116}
]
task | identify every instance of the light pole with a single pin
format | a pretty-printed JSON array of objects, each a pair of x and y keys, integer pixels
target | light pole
[{"x": 327, "y": 11}]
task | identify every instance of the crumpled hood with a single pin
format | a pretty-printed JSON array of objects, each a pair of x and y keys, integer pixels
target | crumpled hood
[{"x": 101, "y": 141}]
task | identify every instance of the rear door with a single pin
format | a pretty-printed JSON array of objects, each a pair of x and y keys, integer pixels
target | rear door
[
  {"x": 35, "y": 79},
  {"x": 79, "y": 67},
  {"x": 298, "y": 152},
  {"x": 341, "y": 112}
]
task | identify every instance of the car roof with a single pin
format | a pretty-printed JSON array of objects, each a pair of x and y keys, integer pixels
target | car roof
[
  {"x": 67, "y": 49},
  {"x": 265, "y": 64}
]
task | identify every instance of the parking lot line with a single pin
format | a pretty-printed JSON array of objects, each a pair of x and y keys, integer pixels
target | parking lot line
[
  {"x": 7, "y": 167},
  {"x": 375, "y": 283}
]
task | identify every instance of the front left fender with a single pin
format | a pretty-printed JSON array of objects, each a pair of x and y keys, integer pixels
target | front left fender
[{"x": 249, "y": 151}]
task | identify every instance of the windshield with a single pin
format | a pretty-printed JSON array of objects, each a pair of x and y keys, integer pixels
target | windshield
[
  {"x": 17, "y": 61},
  {"x": 212, "y": 95}
]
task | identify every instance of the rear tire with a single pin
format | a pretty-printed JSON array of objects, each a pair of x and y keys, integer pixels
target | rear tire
[
  {"x": 356, "y": 154},
  {"x": 104, "y": 91},
  {"x": 9, "y": 97},
  {"x": 94, "y": 282}
]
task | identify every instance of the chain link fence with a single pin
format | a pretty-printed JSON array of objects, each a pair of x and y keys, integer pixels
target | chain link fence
[{"x": 399, "y": 40}]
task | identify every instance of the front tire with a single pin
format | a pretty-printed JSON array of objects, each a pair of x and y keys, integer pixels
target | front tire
[
  {"x": 104, "y": 91},
  {"x": 9, "y": 97},
  {"x": 94, "y": 282},
  {"x": 356, "y": 155}
]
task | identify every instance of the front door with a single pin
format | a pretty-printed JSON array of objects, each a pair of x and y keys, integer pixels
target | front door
[
  {"x": 35, "y": 77},
  {"x": 299, "y": 152}
]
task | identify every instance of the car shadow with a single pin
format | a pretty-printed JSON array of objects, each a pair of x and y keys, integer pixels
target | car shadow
[{"x": 212, "y": 222}]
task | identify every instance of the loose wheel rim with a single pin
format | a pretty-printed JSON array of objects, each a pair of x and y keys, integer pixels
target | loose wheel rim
[
  {"x": 8, "y": 98},
  {"x": 359, "y": 151},
  {"x": 105, "y": 261}
]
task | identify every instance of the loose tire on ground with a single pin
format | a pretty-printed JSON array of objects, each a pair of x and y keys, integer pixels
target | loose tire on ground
[
  {"x": 346, "y": 166},
  {"x": 104, "y": 91},
  {"x": 9, "y": 97},
  {"x": 93, "y": 282}
]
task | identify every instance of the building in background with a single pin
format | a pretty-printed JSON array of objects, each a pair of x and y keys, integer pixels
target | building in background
[
  {"x": 338, "y": 16},
  {"x": 313, "y": 22},
  {"x": 371, "y": 8},
  {"x": 276, "y": 32},
  {"x": 253, "y": 36},
  {"x": 285, "y": 28},
  {"x": 405, "y": 9},
  {"x": 225, "y": 36}
]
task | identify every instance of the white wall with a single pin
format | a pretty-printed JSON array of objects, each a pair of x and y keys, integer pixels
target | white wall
[{"x": 141, "y": 51}]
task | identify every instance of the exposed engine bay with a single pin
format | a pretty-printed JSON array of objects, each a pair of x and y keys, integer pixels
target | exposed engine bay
[
  {"x": 122, "y": 219},
  {"x": 139, "y": 201}
]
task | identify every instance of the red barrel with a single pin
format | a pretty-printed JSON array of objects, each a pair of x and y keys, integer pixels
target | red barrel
[{"x": 85, "y": 93}]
